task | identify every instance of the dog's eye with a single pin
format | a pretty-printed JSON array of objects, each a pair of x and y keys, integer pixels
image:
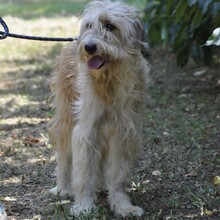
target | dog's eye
[
  {"x": 88, "y": 26},
  {"x": 110, "y": 27}
]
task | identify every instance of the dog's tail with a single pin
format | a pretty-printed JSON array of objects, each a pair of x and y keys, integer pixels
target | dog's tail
[{"x": 63, "y": 95}]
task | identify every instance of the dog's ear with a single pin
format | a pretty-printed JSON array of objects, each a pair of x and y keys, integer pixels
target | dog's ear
[
  {"x": 141, "y": 38},
  {"x": 145, "y": 51}
]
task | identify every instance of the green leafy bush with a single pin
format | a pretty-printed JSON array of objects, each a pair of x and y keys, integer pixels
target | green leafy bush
[{"x": 183, "y": 25}]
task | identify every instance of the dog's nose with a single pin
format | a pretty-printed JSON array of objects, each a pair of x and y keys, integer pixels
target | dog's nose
[{"x": 90, "y": 48}]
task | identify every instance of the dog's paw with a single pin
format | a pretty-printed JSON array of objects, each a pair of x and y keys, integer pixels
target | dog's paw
[
  {"x": 121, "y": 205},
  {"x": 85, "y": 206},
  {"x": 129, "y": 210},
  {"x": 62, "y": 192}
]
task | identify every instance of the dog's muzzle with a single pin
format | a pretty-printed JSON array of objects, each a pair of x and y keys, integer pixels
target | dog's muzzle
[{"x": 95, "y": 62}]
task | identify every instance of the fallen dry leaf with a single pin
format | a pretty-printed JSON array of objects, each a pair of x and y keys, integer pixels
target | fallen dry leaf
[
  {"x": 156, "y": 173},
  {"x": 216, "y": 180},
  {"x": 207, "y": 212},
  {"x": 30, "y": 139},
  {"x": 199, "y": 73}
]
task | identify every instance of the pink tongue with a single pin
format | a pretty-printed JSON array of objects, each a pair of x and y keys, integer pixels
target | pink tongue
[{"x": 95, "y": 62}]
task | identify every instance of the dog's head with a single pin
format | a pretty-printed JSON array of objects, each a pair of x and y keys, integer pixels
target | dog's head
[{"x": 110, "y": 32}]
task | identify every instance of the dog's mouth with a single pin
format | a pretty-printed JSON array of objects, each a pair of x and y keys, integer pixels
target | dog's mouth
[{"x": 96, "y": 62}]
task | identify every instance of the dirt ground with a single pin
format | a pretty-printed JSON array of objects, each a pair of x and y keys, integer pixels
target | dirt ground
[{"x": 173, "y": 178}]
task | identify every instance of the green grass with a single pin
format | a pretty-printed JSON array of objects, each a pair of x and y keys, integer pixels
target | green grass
[{"x": 27, "y": 9}]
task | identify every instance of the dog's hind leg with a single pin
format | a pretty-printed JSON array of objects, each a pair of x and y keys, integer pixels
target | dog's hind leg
[
  {"x": 64, "y": 162},
  {"x": 121, "y": 156},
  {"x": 63, "y": 174}
]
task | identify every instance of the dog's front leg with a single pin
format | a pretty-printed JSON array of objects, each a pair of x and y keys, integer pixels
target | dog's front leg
[
  {"x": 122, "y": 152},
  {"x": 84, "y": 168}
]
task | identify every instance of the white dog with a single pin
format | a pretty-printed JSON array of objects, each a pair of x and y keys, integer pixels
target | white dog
[{"x": 98, "y": 86}]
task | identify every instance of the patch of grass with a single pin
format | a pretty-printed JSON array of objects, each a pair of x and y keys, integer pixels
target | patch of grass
[
  {"x": 27, "y": 9},
  {"x": 182, "y": 142},
  {"x": 34, "y": 9}
]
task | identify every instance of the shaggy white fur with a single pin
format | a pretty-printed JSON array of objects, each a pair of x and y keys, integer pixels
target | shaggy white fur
[{"x": 98, "y": 86}]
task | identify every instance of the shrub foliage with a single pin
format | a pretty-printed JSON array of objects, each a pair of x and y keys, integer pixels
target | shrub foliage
[{"x": 184, "y": 25}]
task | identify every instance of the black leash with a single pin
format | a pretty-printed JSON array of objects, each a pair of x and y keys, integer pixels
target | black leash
[{"x": 4, "y": 34}]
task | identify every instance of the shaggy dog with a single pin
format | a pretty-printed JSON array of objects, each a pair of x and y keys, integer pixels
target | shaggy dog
[{"x": 98, "y": 87}]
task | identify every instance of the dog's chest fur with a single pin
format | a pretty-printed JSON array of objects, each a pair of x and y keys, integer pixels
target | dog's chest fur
[
  {"x": 117, "y": 98},
  {"x": 115, "y": 86}
]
